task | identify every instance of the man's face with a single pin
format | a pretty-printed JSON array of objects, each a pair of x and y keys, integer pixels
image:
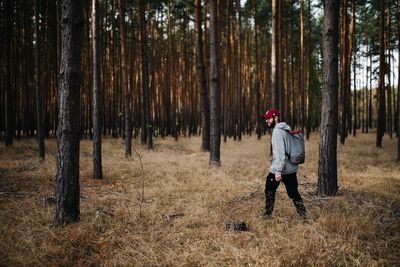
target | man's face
[{"x": 270, "y": 122}]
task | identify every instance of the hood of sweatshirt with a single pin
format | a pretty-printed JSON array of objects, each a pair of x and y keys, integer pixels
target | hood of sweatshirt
[{"x": 283, "y": 126}]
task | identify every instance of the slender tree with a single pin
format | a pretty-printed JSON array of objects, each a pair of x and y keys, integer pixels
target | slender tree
[
  {"x": 302, "y": 67},
  {"x": 291, "y": 63},
  {"x": 274, "y": 57},
  {"x": 327, "y": 163},
  {"x": 124, "y": 81},
  {"x": 39, "y": 96},
  {"x": 170, "y": 105},
  {"x": 67, "y": 177},
  {"x": 146, "y": 124},
  {"x": 344, "y": 63},
  {"x": 239, "y": 74},
  {"x": 257, "y": 73},
  {"x": 8, "y": 103},
  {"x": 370, "y": 93},
  {"x": 354, "y": 46},
  {"x": 388, "y": 67},
  {"x": 381, "y": 89},
  {"x": 202, "y": 81},
  {"x": 215, "y": 94},
  {"x": 398, "y": 82},
  {"x": 97, "y": 112},
  {"x": 309, "y": 74}
]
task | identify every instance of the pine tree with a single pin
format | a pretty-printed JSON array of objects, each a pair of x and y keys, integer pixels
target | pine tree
[
  {"x": 67, "y": 176},
  {"x": 327, "y": 163},
  {"x": 215, "y": 94}
]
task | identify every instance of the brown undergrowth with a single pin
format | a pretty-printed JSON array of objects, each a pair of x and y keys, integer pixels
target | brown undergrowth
[{"x": 187, "y": 203}]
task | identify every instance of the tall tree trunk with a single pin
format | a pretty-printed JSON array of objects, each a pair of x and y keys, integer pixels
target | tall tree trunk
[
  {"x": 280, "y": 85},
  {"x": 232, "y": 64},
  {"x": 39, "y": 95},
  {"x": 239, "y": 75},
  {"x": 97, "y": 112},
  {"x": 257, "y": 75},
  {"x": 67, "y": 177},
  {"x": 291, "y": 91},
  {"x": 381, "y": 96},
  {"x": 353, "y": 37},
  {"x": 309, "y": 74},
  {"x": 171, "y": 100},
  {"x": 301, "y": 82},
  {"x": 388, "y": 71},
  {"x": 215, "y": 94},
  {"x": 274, "y": 57},
  {"x": 16, "y": 72},
  {"x": 202, "y": 81},
  {"x": 28, "y": 54},
  {"x": 343, "y": 73},
  {"x": 124, "y": 81},
  {"x": 327, "y": 163},
  {"x": 370, "y": 93},
  {"x": 398, "y": 82},
  {"x": 365, "y": 97},
  {"x": 147, "y": 124},
  {"x": 8, "y": 103}
]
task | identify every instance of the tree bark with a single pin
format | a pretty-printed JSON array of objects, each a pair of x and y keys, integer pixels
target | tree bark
[
  {"x": 257, "y": 75},
  {"x": 388, "y": 71},
  {"x": 124, "y": 81},
  {"x": 67, "y": 177},
  {"x": 239, "y": 75},
  {"x": 327, "y": 163},
  {"x": 39, "y": 95},
  {"x": 344, "y": 73},
  {"x": 309, "y": 74},
  {"x": 202, "y": 81},
  {"x": 146, "y": 125},
  {"x": 8, "y": 103},
  {"x": 215, "y": 94},
  {"x": 274, "y": 57},
  {"x": 353, "y": 31},
  {"x": 370, "y": 93},
  {"x": 301, "y": 78},
  {"x": 171, "y": 100},
  {"x": 381, "y": 89},
  {"x": 398, "y": 82},
  {"x": 291, "y": 90},
  {"x": 97, "y": 112}
]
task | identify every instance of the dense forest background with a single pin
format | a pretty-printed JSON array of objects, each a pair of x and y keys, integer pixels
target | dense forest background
[{"x": 247, "y": 75}]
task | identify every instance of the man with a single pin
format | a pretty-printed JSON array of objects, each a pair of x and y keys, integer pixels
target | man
[{"x": 281, "y": 168}]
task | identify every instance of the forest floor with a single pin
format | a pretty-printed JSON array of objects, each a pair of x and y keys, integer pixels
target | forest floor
[{"x": 186, "y": 204}]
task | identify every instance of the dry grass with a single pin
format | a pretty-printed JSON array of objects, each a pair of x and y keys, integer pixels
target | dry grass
[{"x": 360, "y": 227}]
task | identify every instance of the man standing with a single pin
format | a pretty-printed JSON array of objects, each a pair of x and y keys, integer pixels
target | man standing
[{"x": 281, "y": 168}]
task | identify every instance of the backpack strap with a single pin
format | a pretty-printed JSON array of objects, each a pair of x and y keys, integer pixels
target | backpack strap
[
  {"x": 295, "y": 131},
  {"x": 286, "y": 153}
]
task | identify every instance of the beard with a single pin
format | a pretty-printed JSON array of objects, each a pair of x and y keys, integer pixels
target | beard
[{"x": 272, "y": 125}]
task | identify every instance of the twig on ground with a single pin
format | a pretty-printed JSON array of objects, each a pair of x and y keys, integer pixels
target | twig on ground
[
  {"x": 170, "y": 217},
  {"x": 142, "y": 181},
  {"x": 251, "y": 194}
]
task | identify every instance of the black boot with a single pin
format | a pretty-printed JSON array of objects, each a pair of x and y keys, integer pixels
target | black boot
[
  {"x": 301, "y": 210},
  {"x": 269, "y": 203}
]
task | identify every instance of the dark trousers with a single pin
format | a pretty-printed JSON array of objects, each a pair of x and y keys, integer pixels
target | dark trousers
[{"x": 290, "y": 182}]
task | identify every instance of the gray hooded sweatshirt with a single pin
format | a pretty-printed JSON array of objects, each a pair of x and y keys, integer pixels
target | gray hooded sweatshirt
[{"x": 280, "y": 142}]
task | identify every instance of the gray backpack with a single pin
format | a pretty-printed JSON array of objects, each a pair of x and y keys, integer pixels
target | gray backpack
[{"x": 297, "y": 151}]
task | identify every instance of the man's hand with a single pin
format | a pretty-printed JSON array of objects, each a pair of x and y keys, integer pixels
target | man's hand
[{"x": 278, "y": 177}]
